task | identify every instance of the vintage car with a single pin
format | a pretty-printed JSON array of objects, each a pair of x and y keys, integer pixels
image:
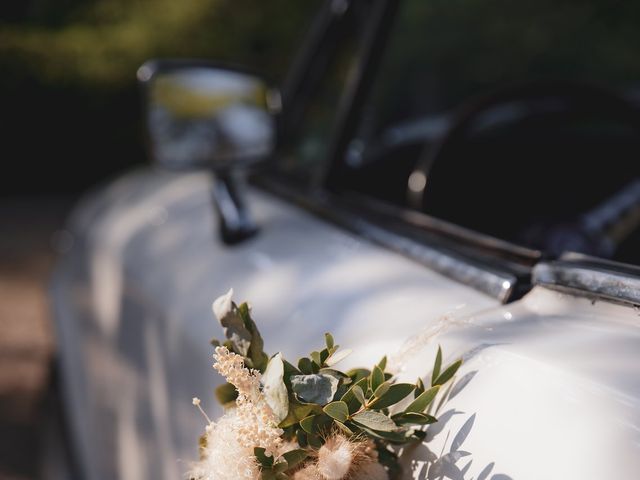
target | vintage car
[{"x": 462, "y": 174}]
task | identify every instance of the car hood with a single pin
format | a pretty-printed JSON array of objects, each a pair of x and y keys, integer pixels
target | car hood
[{"x": 133, "y": 309}]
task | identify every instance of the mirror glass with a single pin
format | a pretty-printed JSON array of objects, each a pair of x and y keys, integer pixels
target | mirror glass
[{"x": 202, "y": 116}]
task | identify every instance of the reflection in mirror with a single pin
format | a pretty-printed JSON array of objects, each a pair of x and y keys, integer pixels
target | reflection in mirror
[{"x": 206, "y": 116}]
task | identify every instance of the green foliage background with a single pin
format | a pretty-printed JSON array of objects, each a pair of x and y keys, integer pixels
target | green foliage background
[{"x": 71, "y": 105}]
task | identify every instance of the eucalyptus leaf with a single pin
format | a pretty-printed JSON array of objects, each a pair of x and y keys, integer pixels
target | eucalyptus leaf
[
  {"x": 314, "y": 441},
  {"x": 315, "y": 356},
  {"x": 419, "y": 387},
  {"x": 346, "y": 430},
  {"x": 256, "y": 348},
  {"x": 307, "y": 423},
  {"x": 274, "y": 389},
  {"x": 398, "y": 437},
  {"x": 357, "y": 374},
  {"x": 226, "y": 393},
  {"x": 359, "y": 394},
  {"x": 436, "y": 367},
  {"x": 448, "y": 374},
  {"x": 337, "y": 410},
  {"x": 338, "y": 357},
  {"x": 393, "y": 395},
  {"x": 315, "y": 388},
  {"x": 383, "y": 363},
  {"x": 235, "y": 330},
  {"x": 414, "y": 418},
  {"x": 376, "y": 378},
  {"x": 263, "y": 459},
  {"x": 382, "y": 389},
  {"x": 305, "y": 365},
  {"x": 297, "y": 411},
  {"x": 281, "y": 467},
  {"x": 350, "y": 399},
  {"x": 375, "y": 421},
  {"x": 423, "y": 401},
  {"x": 295, "y": 457},
  {"x": 329, "y": 340}
]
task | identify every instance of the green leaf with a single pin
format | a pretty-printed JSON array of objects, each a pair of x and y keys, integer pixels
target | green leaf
[
  {"x": 338, "y": 410},
  {"x": 235, "y": 330},
  {"x": 288, "y": 371},
  {"x": 350, "y": 397},
  {"x": 314, "y": 441},
  {"x": 281, "y": 467},
  {"x": 315, "y": 388},
  {"x": 357, "y": 374},
  {"x": 424, "y": 399},
  {"x": 346, "y": 430},
  {"x": 305, "y": 366},
  {"x": 375, "y": 421},
  {"x": 301, "y": 437},
  {"x": 414, "y": 418},
  {"x": 419, "y": 387},
  {"x": 376, "y": 379},
  {"x": 226, "y": 393},
  {"x": 436, "y": 367},
  {"x": 393, "y": 395},
  {"x": 274, "y": 389},
  {"x": 295, "y": 457},
  {"x": 324, "y": 354},
  {"x": 297, "y": 411},
  {"x": 256, "y": 349},
  {"x": 358, "y": 394},
  {"x": 329, "y": 341},
  {"x": 307, "y": 423},
  {"x": 445, "y": 376},
  {"x": 382, "y": 389},
  {"x": 315, "y": 356},
  {"x": 398, "y": 437},
  {"x": 338, "y": 357},
  {"x": 383, "y": 363},
  {"x": 263, "y": 459},
  {"x": 267, "y": 474}
]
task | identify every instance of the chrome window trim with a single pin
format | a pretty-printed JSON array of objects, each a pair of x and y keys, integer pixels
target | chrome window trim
[
  {"x": 589, "y": 276},
  {"x": 479, "y": 269}
]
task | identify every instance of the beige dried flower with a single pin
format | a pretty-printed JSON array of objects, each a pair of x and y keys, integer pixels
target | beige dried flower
[
  {"x": 309, "y": 472},
  {"x": 228, "y": 453},
  {"x": 335, "y": 457},
  {"x": 341, "y": 458}
]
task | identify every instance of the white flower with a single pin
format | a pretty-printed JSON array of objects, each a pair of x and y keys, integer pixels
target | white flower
[
  {"x": 222, "y": 305},
  {"x": 228, "y": 452},
  {"x": 335, "y": 457},
  {"x": 225, "y": 456}
]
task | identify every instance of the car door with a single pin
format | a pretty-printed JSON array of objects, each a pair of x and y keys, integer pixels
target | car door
[{"x": 132, "y": 298}]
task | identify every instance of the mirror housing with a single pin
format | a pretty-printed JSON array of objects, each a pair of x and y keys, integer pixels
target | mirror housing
[
  {"x": 205, "y": 115},
  {"x": 201, "y": 114}
]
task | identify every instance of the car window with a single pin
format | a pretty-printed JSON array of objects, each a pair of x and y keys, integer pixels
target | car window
[
  {"x": 519, "y": 120},
  {"x": 304, "y": 152}
]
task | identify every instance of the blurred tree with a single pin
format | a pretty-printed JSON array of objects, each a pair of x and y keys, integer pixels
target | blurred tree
[{"x": 70, "y": 101}]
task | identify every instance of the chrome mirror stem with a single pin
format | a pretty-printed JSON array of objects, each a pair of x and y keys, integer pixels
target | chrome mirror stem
[{"x": 236, "y": 221}]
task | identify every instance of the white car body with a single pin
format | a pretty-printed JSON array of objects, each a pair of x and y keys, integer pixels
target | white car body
[{"x": 553, "y": 383}]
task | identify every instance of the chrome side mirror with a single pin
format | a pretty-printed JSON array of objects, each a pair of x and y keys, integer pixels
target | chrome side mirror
[{"x": 201, "y": 115}]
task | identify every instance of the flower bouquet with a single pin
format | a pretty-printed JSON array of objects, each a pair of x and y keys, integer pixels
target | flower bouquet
[{"x": 309, "y": 420}]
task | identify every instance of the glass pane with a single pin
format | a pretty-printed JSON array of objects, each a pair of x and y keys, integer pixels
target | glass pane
[
  {"x": 524, "y": 165},
  {"x": 305, "y": 153}
]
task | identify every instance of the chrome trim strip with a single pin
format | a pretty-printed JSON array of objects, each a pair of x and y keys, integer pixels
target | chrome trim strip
[
  {"x": 485, "y": 276},
  {"x": 592, "y": 277}
]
